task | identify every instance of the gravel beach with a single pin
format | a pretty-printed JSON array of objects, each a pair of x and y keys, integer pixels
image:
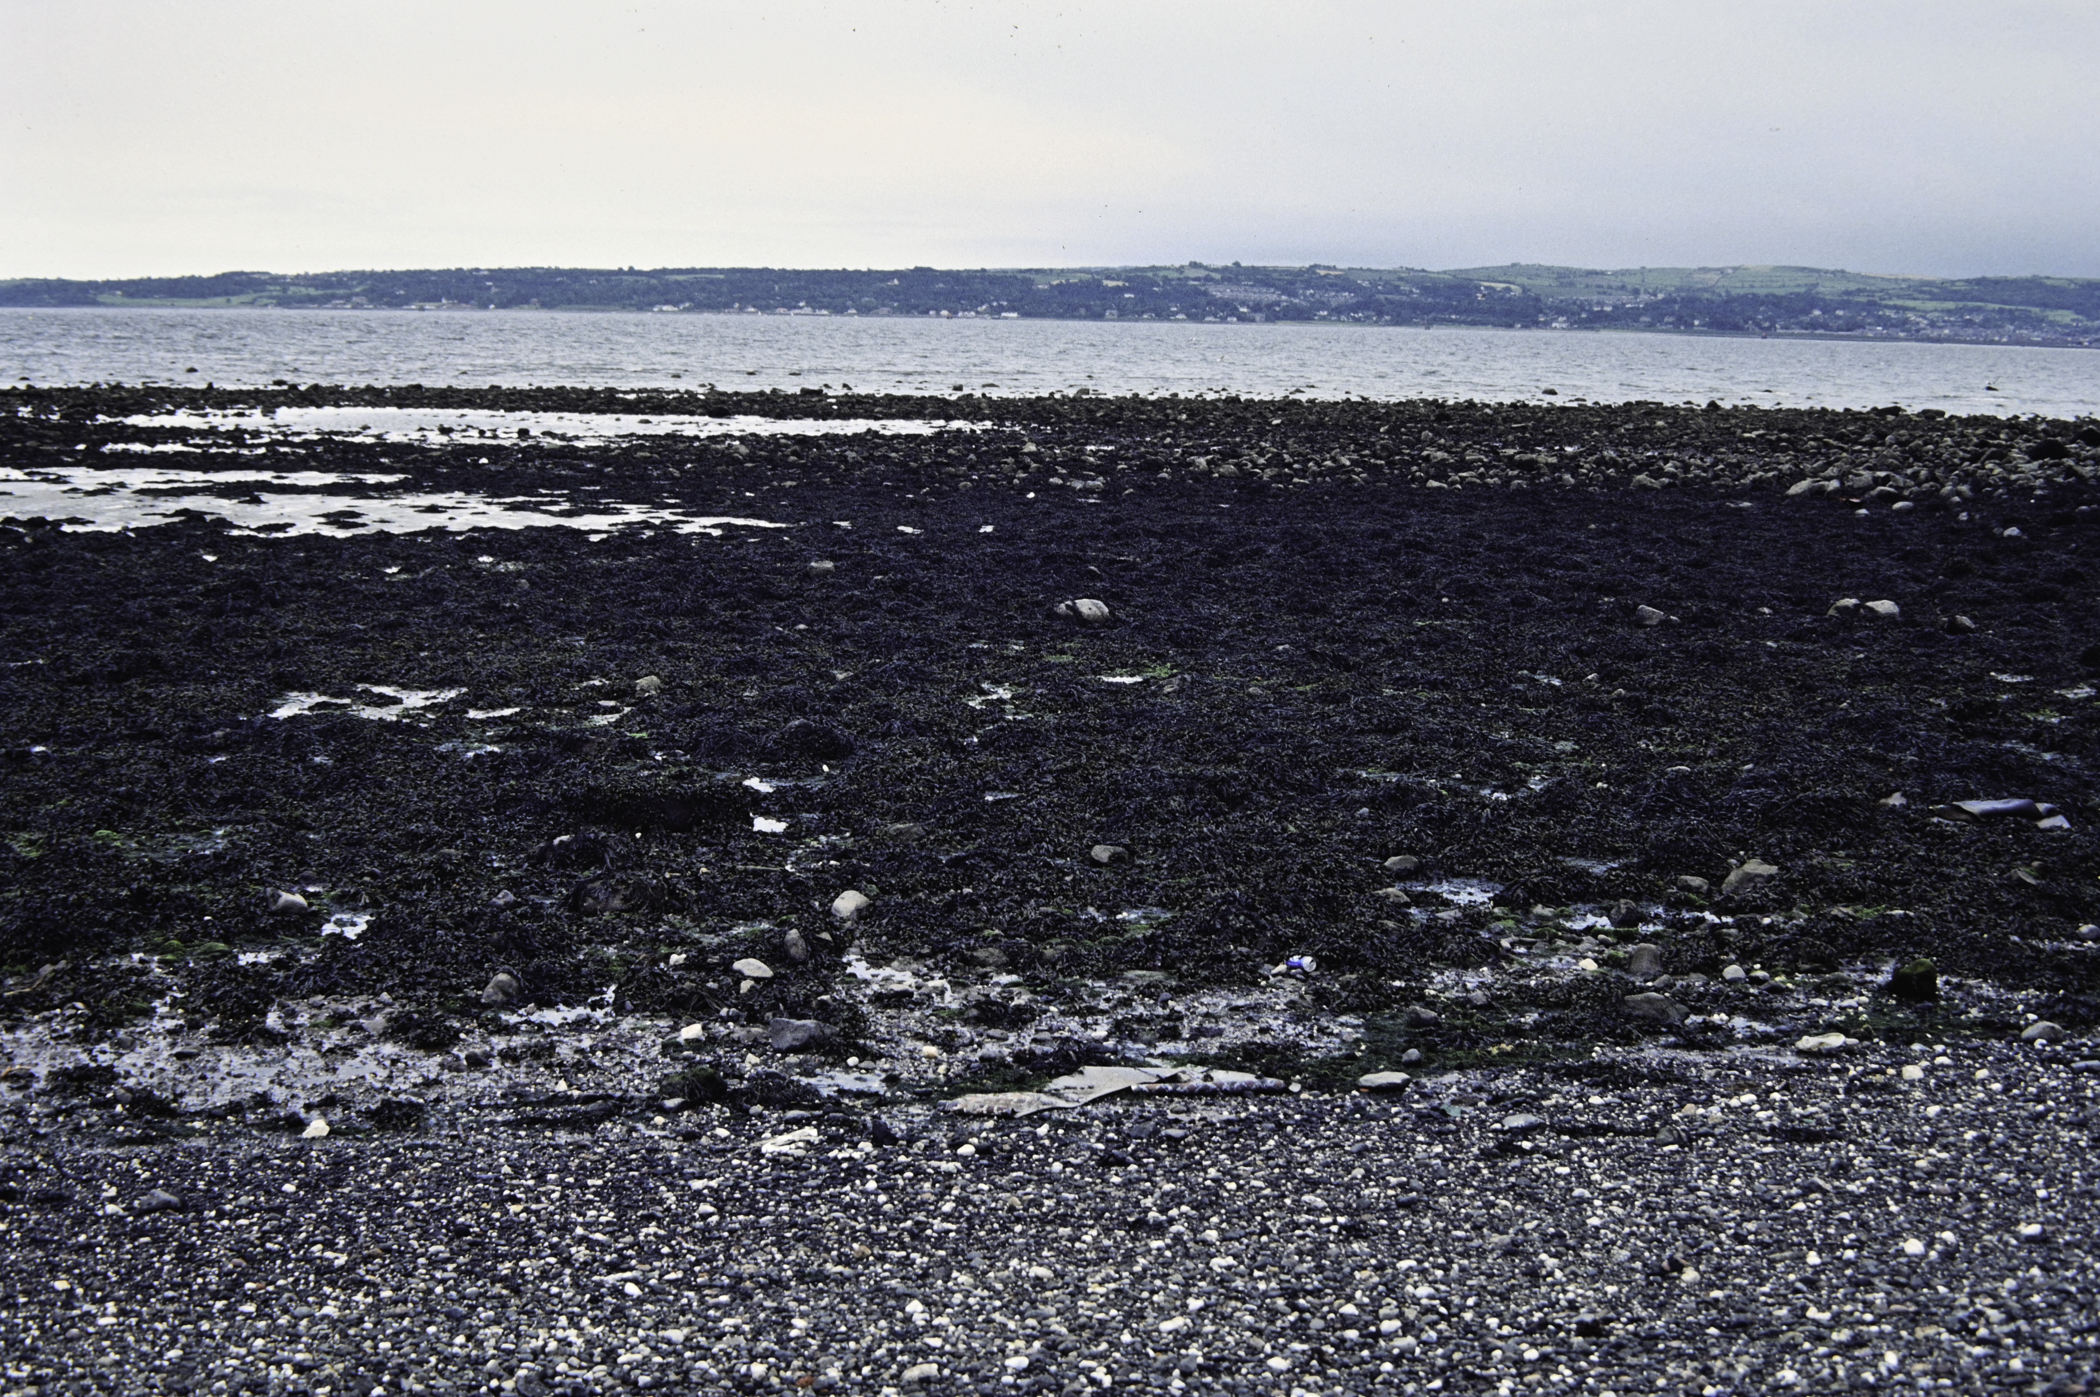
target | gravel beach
[{"x": 1056, "y": 895}]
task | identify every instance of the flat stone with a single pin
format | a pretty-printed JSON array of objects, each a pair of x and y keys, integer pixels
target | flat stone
[
  {"x": 752, "y": 969},
  {"x": 1522, "y": 1123},
  {"x": 1649, "y": 616},
  {"x": 1402, "y": 863},
  {"x": 1821, "y": 1043},
  {"x": 1383, "y": 1081},
  {"x": 158, "y": 1201},
  {"x": 920, "y": 1372},
  {"x": 1694, "y": 885}
]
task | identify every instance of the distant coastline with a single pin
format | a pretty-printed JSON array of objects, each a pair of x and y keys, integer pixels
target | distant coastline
[{"x": 1789, "y": 302}]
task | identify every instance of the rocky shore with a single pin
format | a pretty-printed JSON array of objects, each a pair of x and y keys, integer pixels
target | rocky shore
[{"x": 1192, "y": 893}]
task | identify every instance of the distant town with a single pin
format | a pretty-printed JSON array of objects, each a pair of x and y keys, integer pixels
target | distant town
[{"x": 1745, "y": 300}]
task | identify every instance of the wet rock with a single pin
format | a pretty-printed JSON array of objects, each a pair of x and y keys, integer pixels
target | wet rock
[
  {"x": 1917, "y": 982},
  {"x": 1884, "y": 610},
  {"x": 1644, "y": 961},
  {"x": 1383, "y": 1081},
  {"x": 648, "y": 686},
  {"x": 1421, "y": 1016},
  {"x": 160, "y": 1200},
  {"x": 2041, "y": 1031},
  {"x": 1087, "y": 611},
  {"x": 798, "y": 1035},
  {"x": 1624, "y": 913},
  {"x": 1823, "y": 1043},
  {"x": 316, "y": 1129},
  {"x": 1844, "y": 606},
  {"x": 503, "y": 899},
  {"x": 1690, "y": 884},
  {"x": 796, "y": 947},
  {"x": 822, "y": 567},
  {"x": 1523, "y": 1123},
  {"x": 849, "y": 904},
  {"x": 1749, "y": 877},
  {"x": 502, "y": 989},
  {"x": 1106, "y": 854},
  {"x": 1655, "y": 1008},
  {"x": 1649, "y": 616},
  {"x": 1411, "y": 1058},
  {"x": 752, "y": 969},
  {"x": 290, "y": 905},
  {"x": 2015, "y": 807},
  {"x": 1402, "y": 863},
  {"x": 1734, "y": 974},
  {"x": 474, "y": 1059}
]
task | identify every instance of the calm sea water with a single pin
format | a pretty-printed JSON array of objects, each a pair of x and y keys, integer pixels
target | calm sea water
[{"x": 1010, "y": 357}]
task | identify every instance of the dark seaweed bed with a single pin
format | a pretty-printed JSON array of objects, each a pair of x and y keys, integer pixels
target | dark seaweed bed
[{"x": 1342, "y": 662}]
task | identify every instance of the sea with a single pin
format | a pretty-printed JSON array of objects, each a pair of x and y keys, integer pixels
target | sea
[{"x": 933, "y": 356}]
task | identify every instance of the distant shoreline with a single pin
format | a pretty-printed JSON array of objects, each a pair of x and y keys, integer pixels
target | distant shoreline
[{"x": 1823, "y": 336}]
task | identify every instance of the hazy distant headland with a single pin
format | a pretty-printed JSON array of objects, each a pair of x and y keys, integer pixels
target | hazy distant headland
[{"x": 2038, "y": 310}]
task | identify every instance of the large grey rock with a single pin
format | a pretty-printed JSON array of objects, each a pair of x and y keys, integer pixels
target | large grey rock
[
  {"x": 1421, "y": 1016},
  {"x": 1750, "y": 876},
  {"x": 1087, "y": 611},
  {"x": 2041, "y": 1032},
  {"x": 849, "y": 904},
  {"x": 798, "y": 1035},
  {"x": 1656, "y": 1008},
  {"x": 796, "y": 947},
  {"x": 1645, "y": 961},
  {"x": 501, "y": 989}
]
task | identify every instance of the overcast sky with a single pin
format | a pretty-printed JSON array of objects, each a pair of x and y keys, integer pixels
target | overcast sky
[{"x": 1925, "y": 137}]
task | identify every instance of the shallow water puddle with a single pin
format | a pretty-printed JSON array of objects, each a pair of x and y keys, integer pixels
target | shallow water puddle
[
  {"x": 448, "y": 426},
  {"x": 110, "y": 500},
  {"x": 405, "y": 701},
  {"x": 1460, "y": 892}
]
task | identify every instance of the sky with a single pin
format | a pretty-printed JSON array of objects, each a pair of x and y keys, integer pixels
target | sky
[{"x": 1929, "y": 138}]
